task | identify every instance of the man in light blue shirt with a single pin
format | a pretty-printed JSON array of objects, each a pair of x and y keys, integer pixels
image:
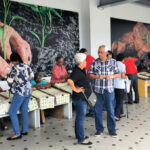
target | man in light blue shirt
[{"x": 119, "y": 85}]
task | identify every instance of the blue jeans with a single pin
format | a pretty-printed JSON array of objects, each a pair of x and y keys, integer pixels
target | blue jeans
[
  {"x": 80, "y": 107},
  {"x": 92, "y": 110},
  {"x": 19, "y": 102},
  {"x": 108, "y": 99}
]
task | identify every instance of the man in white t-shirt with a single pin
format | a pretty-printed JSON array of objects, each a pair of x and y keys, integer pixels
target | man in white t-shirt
[{"x": 119, "y": 85}]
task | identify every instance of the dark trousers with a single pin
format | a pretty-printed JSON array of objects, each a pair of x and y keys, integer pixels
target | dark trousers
[
  {"x": 119, "y": 94},
  {"x": 134, "y": 85}
]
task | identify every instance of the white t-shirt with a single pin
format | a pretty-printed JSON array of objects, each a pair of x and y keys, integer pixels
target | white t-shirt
[{"x": 119, "y": 82}]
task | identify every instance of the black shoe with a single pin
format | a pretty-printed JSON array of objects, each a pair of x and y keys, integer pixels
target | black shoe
[
  {"x": 136, "y": 102},
  {"x": 15, "y": 138},
  {"x": 24, "y": 133},
  {"x": 90, "y": 115},
  {"x": 98, "y": 134},
  {"x": 86, "y": 137},
  {"x": 114, "y": 135},
  {"x": 89, "y": 143},
  {"x": 130, "y": 103}
]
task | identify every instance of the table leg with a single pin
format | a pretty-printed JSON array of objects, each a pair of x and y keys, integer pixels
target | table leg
[
  {"x": 43, "y": 116},
  {"x": 34, "y": 118},
  {"x": 68, "y": 110}
]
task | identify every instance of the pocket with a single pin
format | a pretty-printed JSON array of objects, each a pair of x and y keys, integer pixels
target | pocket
[
  {"x": 109, "y": 68},
  {"x": 98, "y": 70}
]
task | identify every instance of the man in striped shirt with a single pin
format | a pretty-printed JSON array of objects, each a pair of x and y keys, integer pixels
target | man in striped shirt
[{"x": 104, "y": 70}]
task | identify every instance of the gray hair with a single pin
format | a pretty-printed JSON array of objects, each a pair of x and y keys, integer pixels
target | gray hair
[
  {"x": 79, "y": 57},
  {"x": 104, "y": 46}
]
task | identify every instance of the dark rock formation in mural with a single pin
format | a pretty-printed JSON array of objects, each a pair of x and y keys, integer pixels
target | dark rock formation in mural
[{"x": 63, "y": 40}]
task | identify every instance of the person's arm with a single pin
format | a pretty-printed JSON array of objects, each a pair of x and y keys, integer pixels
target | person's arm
[
  {"x": 123, "y": 72},
  {"x": 91, "y": 73},
  {"x": 74, "y": 88},
  {"x": 123, "y": 75},
  {"x": 108, "y": 77},
  {"x": 116, "y": 73},
  {"x": 133, "y": 58},
  {"x": 43, "y": 84},
  {"x": 92, "y": 76},
  {"x": 66, "y": 75},
  {"x": 48, "y": 85},
  {"x": 11, "y": 76}
]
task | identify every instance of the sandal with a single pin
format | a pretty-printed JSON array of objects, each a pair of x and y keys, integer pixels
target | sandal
[
  {"x": 117, "y": 119},
  {"x": 88, "y": 143}
]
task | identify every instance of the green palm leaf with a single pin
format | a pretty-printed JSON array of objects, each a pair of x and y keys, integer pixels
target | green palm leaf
[
  {"x": 55, "y": 12},
  {"x": 146, "y": 37},
  {"x": 34, "y": 34},
  {"x": 33, "y": 7},
  {"x": 47, "y": 34},
  {"x": 14, "y": 18}
]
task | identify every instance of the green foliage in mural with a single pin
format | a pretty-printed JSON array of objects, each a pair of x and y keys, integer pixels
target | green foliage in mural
[
  {"x": 146, "y": 37},
  {"x": 3, "y": 35},
  {"x": 45, "y": 15}
]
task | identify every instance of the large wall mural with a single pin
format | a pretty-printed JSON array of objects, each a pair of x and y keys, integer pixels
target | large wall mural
[
  {"x": 130, "y": 38},
  {"x": 39, "y": 34}
]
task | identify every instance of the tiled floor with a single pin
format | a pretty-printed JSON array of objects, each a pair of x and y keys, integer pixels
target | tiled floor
[{"x": 56, "y": 134}]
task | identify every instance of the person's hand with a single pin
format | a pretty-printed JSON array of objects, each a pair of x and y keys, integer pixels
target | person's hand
[
  {"x": 19, "y": 45},
  {"x": 101, "y": 77},
  {"x": 48, "y": 85},
  {"x": 64, "y": 76},
  {"x": 108, "y": 77},
  {"x": 79, "y": 90}
]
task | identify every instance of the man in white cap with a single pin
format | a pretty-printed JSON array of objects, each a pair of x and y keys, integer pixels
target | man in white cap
[
  {"x": 104, "y": 70},
  {"x": 79, "y": 83}
]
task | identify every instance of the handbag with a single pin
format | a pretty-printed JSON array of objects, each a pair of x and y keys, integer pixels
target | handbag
[
  {"x": 92, "y": 99},
  {"x": 127, "y": 85}
]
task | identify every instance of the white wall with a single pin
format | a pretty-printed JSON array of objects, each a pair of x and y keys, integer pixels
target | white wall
[
  {"x": 100, "y": 21},
  {"x": 99, "y": 27}
]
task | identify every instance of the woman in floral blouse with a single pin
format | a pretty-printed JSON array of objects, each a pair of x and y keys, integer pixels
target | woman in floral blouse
[{"x": 20, "y": 86}]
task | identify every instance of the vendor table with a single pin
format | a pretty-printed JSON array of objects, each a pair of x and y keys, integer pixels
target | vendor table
[
  {"x": 41, "y": 99},
  {"x": 143, "y": 84}
]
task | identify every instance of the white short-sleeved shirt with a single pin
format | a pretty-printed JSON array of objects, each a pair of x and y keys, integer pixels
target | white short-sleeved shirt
[{"x": 119, "y": 82}]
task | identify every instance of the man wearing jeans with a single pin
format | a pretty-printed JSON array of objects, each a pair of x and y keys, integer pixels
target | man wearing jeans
[{"x": 104, "y": 70}]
